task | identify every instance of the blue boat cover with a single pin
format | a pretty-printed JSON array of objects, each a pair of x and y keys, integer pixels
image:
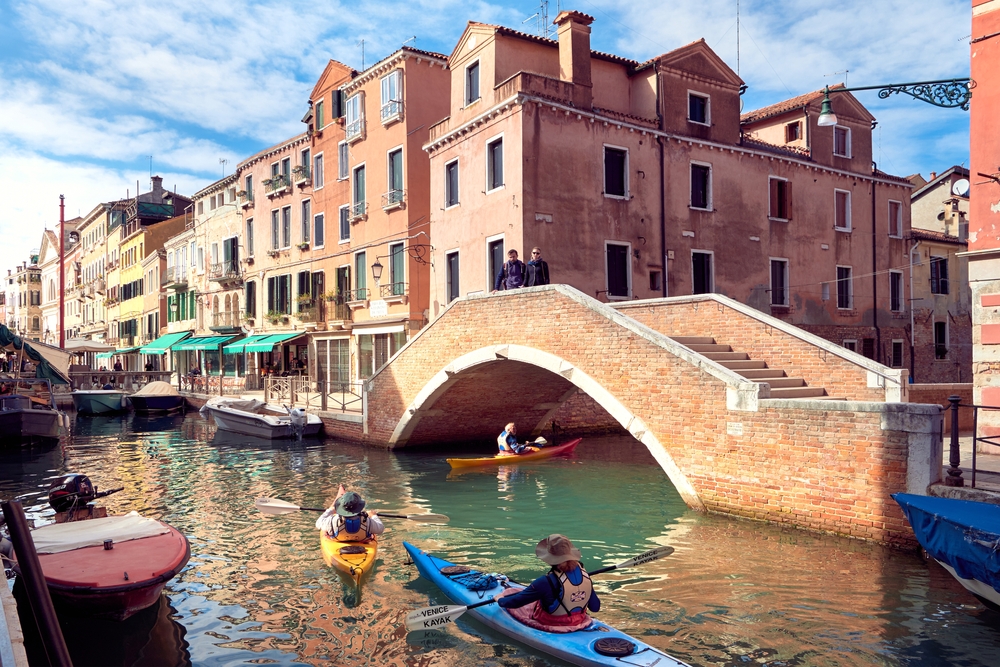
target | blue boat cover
[{"x": 965, "y": 534}]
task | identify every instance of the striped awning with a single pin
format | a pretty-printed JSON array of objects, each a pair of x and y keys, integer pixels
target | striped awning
[
  {"x": 237, "y": 347},
  {"x": 201, "y": 343},
  {"x": 163, "y": 343},
  {"x": 115, "y": 353},
  {"x": 268, "y": 343}
]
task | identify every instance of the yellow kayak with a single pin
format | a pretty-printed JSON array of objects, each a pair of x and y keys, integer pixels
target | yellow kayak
[
  {"x": 354, "y": 559},
  {"x": 533, "y": 454}
]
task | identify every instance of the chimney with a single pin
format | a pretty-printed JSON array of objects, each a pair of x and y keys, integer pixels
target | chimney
[
  {"x": 157, "y": 188},
  {"x": 933, "y": 175},
  {"x": 574, "y": 55}
]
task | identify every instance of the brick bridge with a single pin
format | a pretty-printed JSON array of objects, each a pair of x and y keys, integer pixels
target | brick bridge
[{"x": 746, "y": 414}]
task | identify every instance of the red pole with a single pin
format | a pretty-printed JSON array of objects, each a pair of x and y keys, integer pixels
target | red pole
[{"x": 62, "y": 271}]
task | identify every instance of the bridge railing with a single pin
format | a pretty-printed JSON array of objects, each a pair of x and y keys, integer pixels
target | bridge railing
[
  {"x": 127, "y": 380},
  {"x": 304, "y": 392},
  {"x": 954, "y": 472}
]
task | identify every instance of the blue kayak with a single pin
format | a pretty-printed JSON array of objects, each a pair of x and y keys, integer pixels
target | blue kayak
[{"x": 579, "y": 647}]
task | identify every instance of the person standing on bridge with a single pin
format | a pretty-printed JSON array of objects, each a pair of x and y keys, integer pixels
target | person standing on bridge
[
  {"x": 536, "y": 271},
  {"x": 511, "y": 274},
  {"x": 507, "y": 441}
]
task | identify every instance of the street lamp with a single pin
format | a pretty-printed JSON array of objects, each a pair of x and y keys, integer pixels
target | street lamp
[
  {"x": 947, "y": 93},
  {"x": 376, "y": 270}
]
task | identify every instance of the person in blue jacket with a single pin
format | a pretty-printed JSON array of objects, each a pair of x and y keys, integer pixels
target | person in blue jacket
[
  {"x": 511, "y": 274},
  {"x": 507, "y": 441}
]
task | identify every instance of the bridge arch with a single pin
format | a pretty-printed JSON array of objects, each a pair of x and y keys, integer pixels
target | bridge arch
[{"x": 424, "y": 402}]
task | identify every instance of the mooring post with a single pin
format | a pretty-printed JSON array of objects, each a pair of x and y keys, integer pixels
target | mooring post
[{"x": 954, "y": 477}]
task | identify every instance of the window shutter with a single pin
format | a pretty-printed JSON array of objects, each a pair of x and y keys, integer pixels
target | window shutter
[
  {"x": 774, "y": 198},
  {"x": 337, "y": 104},
  {"x": 788, "y": 200}
]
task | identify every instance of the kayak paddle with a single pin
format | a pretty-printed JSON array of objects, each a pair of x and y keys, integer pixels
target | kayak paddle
[
  {"x": 432, "y": 617},
  {"x": 276, "y": 506}
]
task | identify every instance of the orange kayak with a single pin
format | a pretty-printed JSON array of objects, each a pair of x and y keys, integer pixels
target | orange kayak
[{"x": 532, "y": 454}]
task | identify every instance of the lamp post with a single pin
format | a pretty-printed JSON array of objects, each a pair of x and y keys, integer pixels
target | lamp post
[
  {"x": 377, "y": 271},
  {"x": 947, "y": 93}
]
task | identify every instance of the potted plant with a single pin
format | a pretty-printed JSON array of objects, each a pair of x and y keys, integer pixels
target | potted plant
[
  {"x": 304, "y": 245},
  {"x": 274, "y": 317}
]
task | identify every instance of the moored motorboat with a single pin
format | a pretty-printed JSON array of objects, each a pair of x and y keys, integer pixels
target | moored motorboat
[
  {"x": 157, "y": 397},
  {"x": 533, "y": 454},
  {"x": 353, "y": 559},
  {"x": 26, "y": 414},
  {"x": 261, "y": 420},
  {"x": 580, "y": 647},
  {"x": 963, "y": 536},
  {"x": 99, "y": 401}
]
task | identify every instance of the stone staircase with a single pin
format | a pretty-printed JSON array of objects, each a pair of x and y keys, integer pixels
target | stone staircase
[{"x": 740, "y": 363}]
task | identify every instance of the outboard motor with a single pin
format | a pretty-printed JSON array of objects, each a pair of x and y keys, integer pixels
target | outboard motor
[
  {"x": 71, "y": 491},
  {"x": 298, "y": 416}
]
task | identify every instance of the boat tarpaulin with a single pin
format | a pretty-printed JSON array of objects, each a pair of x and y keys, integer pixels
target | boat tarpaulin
[
  {"x": 163, "y": 343},
  {"x": 965, "y": 534},
  {"x": 237, "y": 347},
  {"x": 158, "y": 388},
  {"x": 58, "y": 537},
  {"x": 268, "y": 343},
  {"x": 51, "y": 363},
  {"x": 201, "y": 343}
]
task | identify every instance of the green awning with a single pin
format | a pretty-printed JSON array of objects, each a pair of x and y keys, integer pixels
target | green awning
[
  {"x": 201, "y": 343},
  {"x": 115, "y": 353},
  {"x": 268, "y": 343},
  {"x": 163, "y": 343},
  {"x": 237, "y": 347}
]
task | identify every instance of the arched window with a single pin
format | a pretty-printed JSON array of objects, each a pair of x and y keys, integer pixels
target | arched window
[{"x": 52, "y": 289}]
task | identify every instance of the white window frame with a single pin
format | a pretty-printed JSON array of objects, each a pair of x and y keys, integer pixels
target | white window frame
[
  {"x": 354, "y": 177},
  {"x": 850, "y": 287},
  {"x": 902, "y": 292},
  {"x": 848, "y": 154},
  {"x": 458, "y": 172},
  {"x": 787, "y": 300},
  {"x": 314, "y": 216},
  {"x": 458, "y": 254},
  {"x": 360, "y": 120},
  {"x": 849, "y": 226},
  {"x": 711, "y": 189},
  {"x": 493, "y": 140},
  {"x": 711, "y": 277},
  {"x": 388, "y": 168},
  {"x": 305, "y": 224},
  {"x": 318, "y": 158},
  {"x": 343, "y": 161},
  {"x": 850, "y": 344},
  {"x": 604, "y": 173},
  {"x": 628, "y": 270},
  {"x": 466, "y": 102},
  {"x": 486, "y": 249},
  {"x": 771, "y": 214},
  {"x": 708, "y": 108},
  {"x": 341, "y": 239},
  {"x": 899, "y": 220},
  {"x": 281, "y": 227},
  {"x": 393, "y": 115}
]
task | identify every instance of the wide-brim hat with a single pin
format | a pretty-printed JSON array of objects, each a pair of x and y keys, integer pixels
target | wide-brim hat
[
  {"x": 556, "y": 549},
  {"x": 349, "y": 504}
]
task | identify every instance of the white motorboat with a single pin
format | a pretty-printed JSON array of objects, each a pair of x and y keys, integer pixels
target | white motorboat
[{"x": 259, "y": 419}]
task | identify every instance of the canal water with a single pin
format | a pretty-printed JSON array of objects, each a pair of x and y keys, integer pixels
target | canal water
[{"x": 256, "y": 590}]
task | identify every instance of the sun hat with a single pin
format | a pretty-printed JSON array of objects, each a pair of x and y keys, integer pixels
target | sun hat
[
  {"x": 556, "y": 549},
  {"x": 349, "y": 504}
]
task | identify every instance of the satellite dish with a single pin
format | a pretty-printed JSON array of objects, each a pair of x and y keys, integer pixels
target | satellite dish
[{"x": 961, "y": 188}]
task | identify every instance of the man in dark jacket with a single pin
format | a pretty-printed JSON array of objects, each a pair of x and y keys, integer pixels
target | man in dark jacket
[
  {"x": 536, "y": 270},
  {"x": 511, "y": 274}
]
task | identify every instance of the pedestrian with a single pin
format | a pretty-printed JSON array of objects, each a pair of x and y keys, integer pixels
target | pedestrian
[
  {"x": 536, "y": 271},
  {"x": 118, "y": 365},
  {"x": 511, "y": 274}
]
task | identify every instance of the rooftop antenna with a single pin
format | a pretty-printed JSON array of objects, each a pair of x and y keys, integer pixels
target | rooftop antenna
[
  {"x": 541, "y": 18},
  {"x": 411, "y": 39},
  {"x": 223, "y": 161},
  {"x": 150, "y": 167},
  {"x": 362, "y": 45},
  {"x": 845, "y": 72}
]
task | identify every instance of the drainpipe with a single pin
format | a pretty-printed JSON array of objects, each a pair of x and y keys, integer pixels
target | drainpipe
[
  {"x": 663, "y": 191},
  {"x": 62, "y": 271},
  {"x": 913, "y": 363},
  {"x": 878, "y": 332}
]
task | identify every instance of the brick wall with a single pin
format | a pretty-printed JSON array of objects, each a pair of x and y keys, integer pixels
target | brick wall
[{"x": 938, "y": 394}]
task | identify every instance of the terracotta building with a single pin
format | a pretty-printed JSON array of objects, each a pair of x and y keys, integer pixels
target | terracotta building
[{"x": 639, "y": 180}]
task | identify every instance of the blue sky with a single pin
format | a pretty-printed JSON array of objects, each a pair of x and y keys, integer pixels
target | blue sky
[{"x": 90, "y": 89}]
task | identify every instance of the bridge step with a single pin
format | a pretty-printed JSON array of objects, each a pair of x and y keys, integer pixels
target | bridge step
[
  {"x": 799, "y": 392},
  {"x": 745, "y": 364},
  {"x": 761, "y": 373},
  {"x": 694, "y": 340},
  {"x": 727, "y": 356},
  {"x": 709, "y": 349},
  {"x": 782, "y": 383}
]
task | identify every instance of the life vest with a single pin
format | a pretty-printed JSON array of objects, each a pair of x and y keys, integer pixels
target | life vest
[
  {"x": 573, "y": 598},
  {"x": 507, "y": 443},
  {"x": 352, "y": 528},
  {"x": 514, "y": 274}
]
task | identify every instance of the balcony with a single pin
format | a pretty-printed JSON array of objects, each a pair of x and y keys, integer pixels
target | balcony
[
  {"x": 276, "y": 185},
  {"x": 357, "y": 298},
  {"x": 226, "y": 273},
  {"x": 225, "y": 322},
  {"x": 355, "y": 130},
  {"x": 98, "y": 286},
  {"x": 393, "y": 292},
  {"x": 245, "y": 199},
  {"x": 301, "y": 175},
  {"x": 337, "y": 312},
  {"x": 176, "y": 277},
  {"x": 359, "y": 211},
  {"x": 392, "y": 111},
  {"x": 393, "y": 199}
]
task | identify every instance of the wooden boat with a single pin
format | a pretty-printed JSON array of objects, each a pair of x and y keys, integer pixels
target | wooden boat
[
  {"x": 110, "y": 567},
  {"x": 261, "y": 420},
  {"x": 28, "y": 412},
  {"x": 353, "y": 559},
  {"x": 157, "y": 397},
  {"x": 99, "y": 401},
  {"x": 533, "y": 454},
  {"x": 961, "y": 535},
  {"x": 580, "y": 647}
]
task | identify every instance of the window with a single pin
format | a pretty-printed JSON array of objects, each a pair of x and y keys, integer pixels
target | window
[
  {"x": 845, "y": 288},
  {"x": 940, "y": 340},
  {"x": 279, "y": 294},
  {"x": 779, "y": 282},
  {"x": 615, "y": 172},
  {"x": 841, "y": 141},
  {"x": 201, "y": 259},
  {"x": 306, "y": 219},
  {"x": 394, "y": 164},
  {"x": 343, "y": 160},
  {"x": 392, "y": 99},
  {"x": 895, "y": 291},
  {"x": 793, "y": 132},
  {"x": 215, "y": 253},
  {"x": 303, "y": 279},
  {"x": 251, "y": 299},
  {"x": 354, "y": 122},
  {"x": 319, "y": 230},
  {"x": 201, "y": 207},
  {"x": 701, "y": 186},
  {"x": 868, "y": 348},
  {"x": 851, "y": 345},
  {"x": 897, "y": 354},
  {"x": 304, "y": 159},
  {"x": 698, "y": 109},
  {"x": 451, "y": 269},
  {"x": 360, "y": 277},
  {"x": 320, "y": 121},
  {"x": 939, "y": 275},
  {"x": 451, "y": 184},
  {"x": 275, "y": 229},
  {"x": 248, "y": 187},
  {"x": 249, "y": 237},
  {"x": 359, "y": 192},
  {"x": 701, "y": 272},
  {"x": 397, "y": 268},
  {"x": 495, "y": 258},
  {"x": 494, "y": 165},
  {"x": 895, "y": 219},
  {"x": 472, "y": 83},
  {"x": 780, "y": 199},
  {"x": 286, "y": 227},
  {"x": 318, "y": 172},
  {"x": 345, "y": 223},
  {"x": 655, "y": 281},
  {"x": 286, "y": 169},
  {"x": 842, "y": 210},
  {"x": 617, "y": 270},
  {"x": 193, "y": 253}
]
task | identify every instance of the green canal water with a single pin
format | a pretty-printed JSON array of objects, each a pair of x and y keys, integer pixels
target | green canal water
[{"x": 256, "y": 590}]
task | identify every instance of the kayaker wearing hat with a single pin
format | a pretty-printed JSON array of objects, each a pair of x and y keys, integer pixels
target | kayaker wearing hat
[
  {"x": 346, "y": 520},
  {"x": 507, "y": 441},
  {"x": 564, "y": 594}
]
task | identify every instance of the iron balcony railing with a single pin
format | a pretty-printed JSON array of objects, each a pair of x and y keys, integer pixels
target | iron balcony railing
[
  {"x": 392, "y": 109},
  {"x": 245, "y": 198},
  {"x": 276, "y": 185},
  {"x": 393, "y": 198},
  {"x": 301, "y": 174},
  {"x": 392, "y": 289},
  {"x": 359, "y": 294},
  {"x": 225, "y": 319},
  {"x": 358, "y": 210},
  {"x": 225, "y": 272},
  {"x": 176, "y": 275},
  {"x": 355, "y": 129}
]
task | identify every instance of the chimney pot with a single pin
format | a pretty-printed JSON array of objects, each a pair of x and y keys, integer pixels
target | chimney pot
[
  {"x": 574, "y": 55},
  {"x": 933, "y": 175}
]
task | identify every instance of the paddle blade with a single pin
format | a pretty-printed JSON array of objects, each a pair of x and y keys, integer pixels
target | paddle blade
[
  {"x": 651, "y": 555},
  {"x": 433, "y": 617},
  {"x": 541, "y": 441},
  {"x": 275, "y": 506}
]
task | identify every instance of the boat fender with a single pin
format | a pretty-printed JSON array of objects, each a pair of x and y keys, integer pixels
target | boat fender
[{"x": 614, "y": 647}]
